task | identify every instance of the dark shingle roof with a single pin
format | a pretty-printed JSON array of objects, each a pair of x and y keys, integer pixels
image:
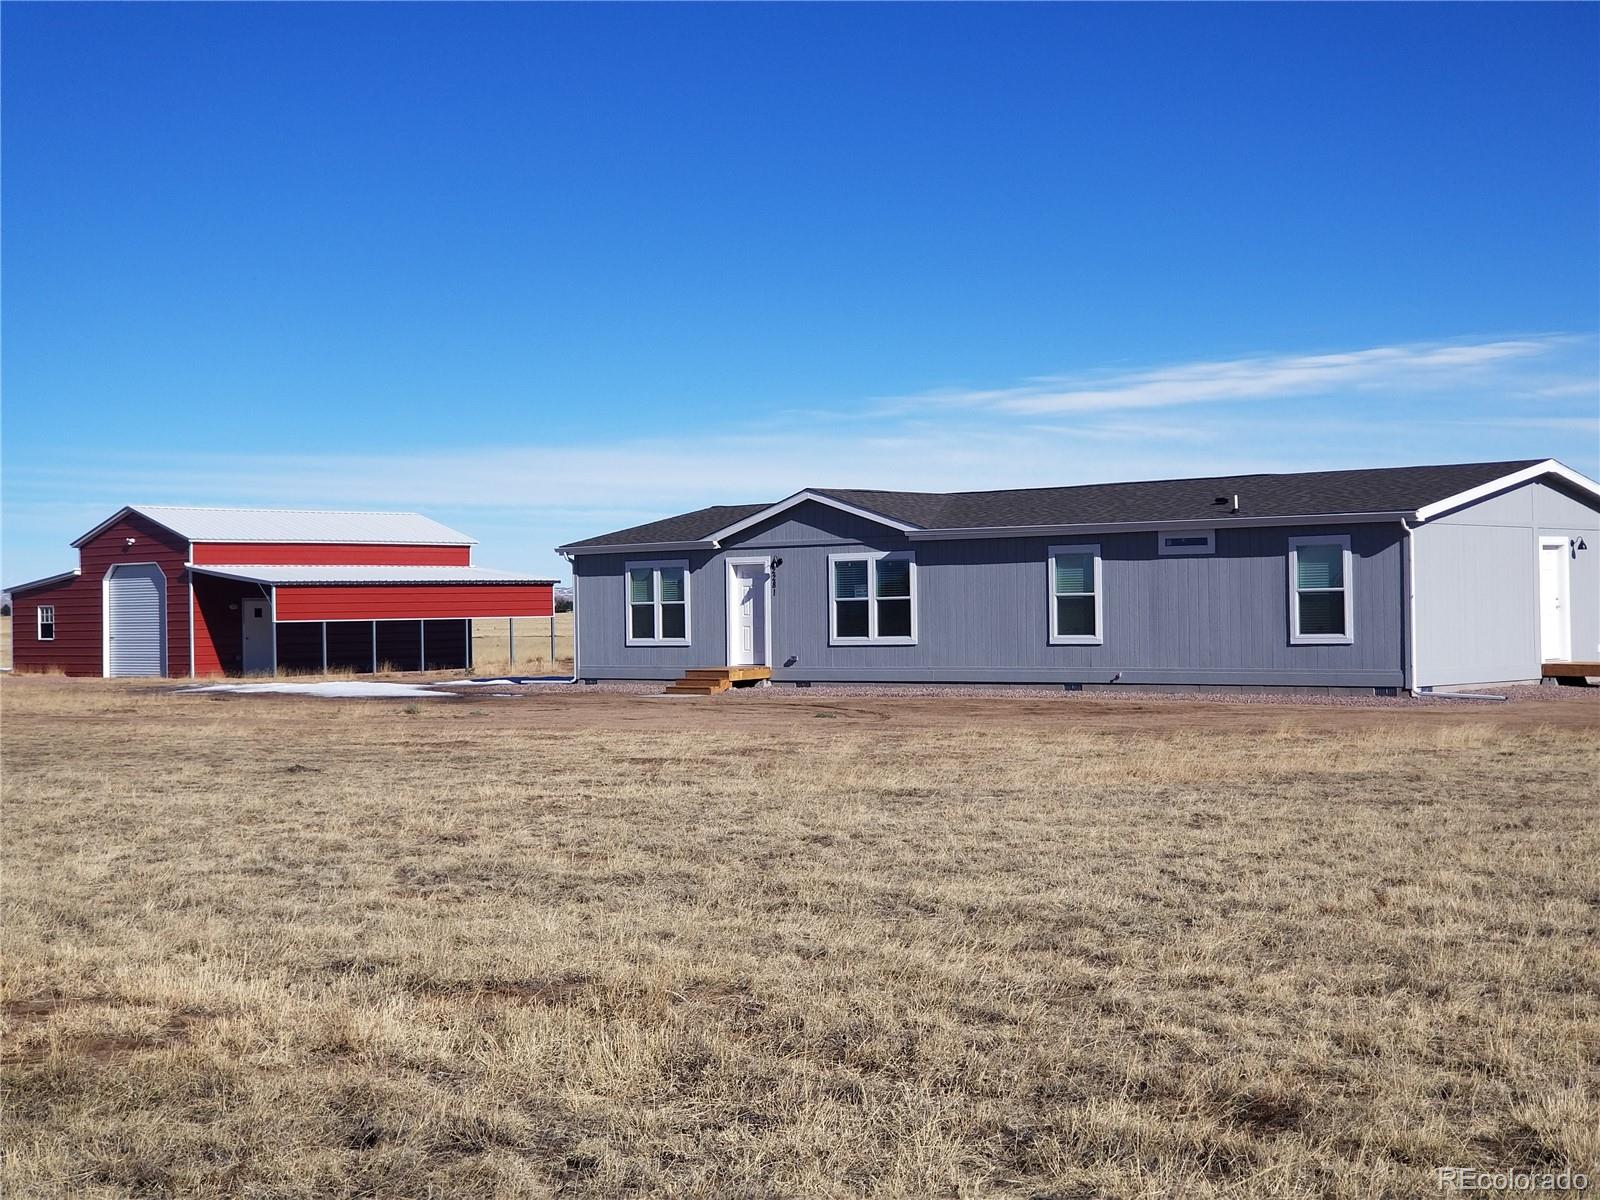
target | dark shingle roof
[
  {"x": 1307, "y": 493},
  {"x": 686, "y": 527}
]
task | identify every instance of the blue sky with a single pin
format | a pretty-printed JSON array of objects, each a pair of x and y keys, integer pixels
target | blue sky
[{"x": 543, "y": 271}]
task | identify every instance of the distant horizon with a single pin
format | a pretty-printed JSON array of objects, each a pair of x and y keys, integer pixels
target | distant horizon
[{"x": 545, "y": 271}]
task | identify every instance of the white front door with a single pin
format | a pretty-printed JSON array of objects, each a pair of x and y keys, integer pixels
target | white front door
[
  {"x": 1555, "y": 618},
  {"x": 747, "y": 616},
  {"x": 255, "y": 616}
]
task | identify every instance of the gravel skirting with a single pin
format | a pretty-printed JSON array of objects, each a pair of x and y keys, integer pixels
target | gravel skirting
[{"x": 780, "y": 692}]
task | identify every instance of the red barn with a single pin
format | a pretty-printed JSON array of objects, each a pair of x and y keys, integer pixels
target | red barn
[{"x": 238, "y": 591}]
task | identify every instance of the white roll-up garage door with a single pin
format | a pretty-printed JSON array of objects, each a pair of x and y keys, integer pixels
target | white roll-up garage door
[{"x": 136, "y": 620}]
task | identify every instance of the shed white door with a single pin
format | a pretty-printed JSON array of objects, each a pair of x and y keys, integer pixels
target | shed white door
[
  {"x": 136, "y": 620},
  {"x": 747, "y": 628},
  {"x": 1555, "y": 618},
  {"x": 259, "y": 653}
]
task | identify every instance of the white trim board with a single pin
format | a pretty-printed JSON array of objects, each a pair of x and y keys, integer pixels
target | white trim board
[
  {"x": 46, "y": 581},
  {"x": 1538, "y": 471},
  {"x": 783, "y": 506}
]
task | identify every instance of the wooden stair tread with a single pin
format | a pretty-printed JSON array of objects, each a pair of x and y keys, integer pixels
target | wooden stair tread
[
  {"x": 1569, "y": 670},
  {"x": 708, "y": 681}
]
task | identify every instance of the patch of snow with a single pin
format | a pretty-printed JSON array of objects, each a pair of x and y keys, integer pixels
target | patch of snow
[
  {"x": 504, "y": 681},
  {"x": 352, "y": 690}
]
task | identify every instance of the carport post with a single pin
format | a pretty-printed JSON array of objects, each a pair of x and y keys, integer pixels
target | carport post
[
  {"x": 511, "y": 643},
  {"x": 324, "y": 647},
  {"x": 422, "y": 645},
  {"x": 552, "y": 638},
  {"x": 374, "y": 647}
]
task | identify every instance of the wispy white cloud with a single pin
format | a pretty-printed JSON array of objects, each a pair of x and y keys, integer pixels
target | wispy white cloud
[
  {"x": 1407, "y": 368},
  {"x": 1391, "y": 405}
]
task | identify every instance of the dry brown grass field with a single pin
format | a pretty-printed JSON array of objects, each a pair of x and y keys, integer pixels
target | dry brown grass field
[{"x": 589, "y": 945}]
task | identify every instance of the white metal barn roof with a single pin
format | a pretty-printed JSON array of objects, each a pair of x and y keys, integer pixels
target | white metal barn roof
[
  {"x": 292, "y": 525},
  {"x": 286, "y": 576}
]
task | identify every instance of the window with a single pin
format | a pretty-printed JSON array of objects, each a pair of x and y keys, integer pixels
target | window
[
  {"x": 1319, "y": 591},
  {"x": 1189, "y": 541},
  {"x": 1075, "y": 595},
  {"x": 873, "y": 599},
  {"x": 658, "y": 603},
  {"x": 47, "y": 622}
]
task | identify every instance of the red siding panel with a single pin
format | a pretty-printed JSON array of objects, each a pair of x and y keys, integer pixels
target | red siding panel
[
  {"x": 218, "y": 634},
  {"x": 28, "y": 653},
  {"x": 317, "y": 554},
  {"x": 414, "y": 602},
  {"x": 77, "y": 649}
]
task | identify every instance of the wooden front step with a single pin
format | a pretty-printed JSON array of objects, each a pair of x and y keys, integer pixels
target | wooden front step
[
  {"x": 708, "y": 681},
  {"x": 1570, "y": 670},
  {"x": 697, "y": 687}
]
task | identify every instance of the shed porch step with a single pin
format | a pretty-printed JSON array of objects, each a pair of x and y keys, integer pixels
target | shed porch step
[{"x": 708, "y": 681}]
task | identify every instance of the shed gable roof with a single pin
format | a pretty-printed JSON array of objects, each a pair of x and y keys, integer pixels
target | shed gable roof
[{"x": 291, "y": 525}]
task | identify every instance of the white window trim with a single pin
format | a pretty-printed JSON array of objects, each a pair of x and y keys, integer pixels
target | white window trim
[
  {"x": 1098, "y": 637},
  {"x": 1348, "y": 637},
  {"x": 872, "y": 557},
  {"x": 656, "y": 564},
  {"x": 1210, "y": 546},
  {"x": 39, "y": 623}
]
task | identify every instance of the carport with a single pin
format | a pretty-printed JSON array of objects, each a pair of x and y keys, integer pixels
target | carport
[{"x": 261, "y": 619}]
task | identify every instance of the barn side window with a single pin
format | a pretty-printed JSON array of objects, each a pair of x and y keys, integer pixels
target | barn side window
[
  {"x": 1319, "y": 591},
  {"x": 658, "y": 603},
  {"x": 47, "y": 622}
]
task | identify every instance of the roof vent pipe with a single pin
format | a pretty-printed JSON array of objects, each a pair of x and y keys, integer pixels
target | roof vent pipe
[{"x": 1235, "y": 507}]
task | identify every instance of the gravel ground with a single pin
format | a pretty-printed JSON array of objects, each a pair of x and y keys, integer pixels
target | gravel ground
[{"x": 780, "y": 692}]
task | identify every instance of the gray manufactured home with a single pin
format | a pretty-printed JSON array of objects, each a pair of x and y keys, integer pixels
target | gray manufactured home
[{"x": 1392, "y": 578}]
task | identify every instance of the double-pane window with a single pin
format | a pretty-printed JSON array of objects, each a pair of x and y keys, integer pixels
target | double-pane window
[{"x": 658, "y": 603}]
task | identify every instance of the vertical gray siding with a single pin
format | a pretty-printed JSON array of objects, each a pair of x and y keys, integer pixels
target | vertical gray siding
[
  {"x": 983, "y": 609},
  {"x": 1477, "y": 586}
]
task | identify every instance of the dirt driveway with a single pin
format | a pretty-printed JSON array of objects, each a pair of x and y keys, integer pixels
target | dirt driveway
[{"x": 576, "y": 707}]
